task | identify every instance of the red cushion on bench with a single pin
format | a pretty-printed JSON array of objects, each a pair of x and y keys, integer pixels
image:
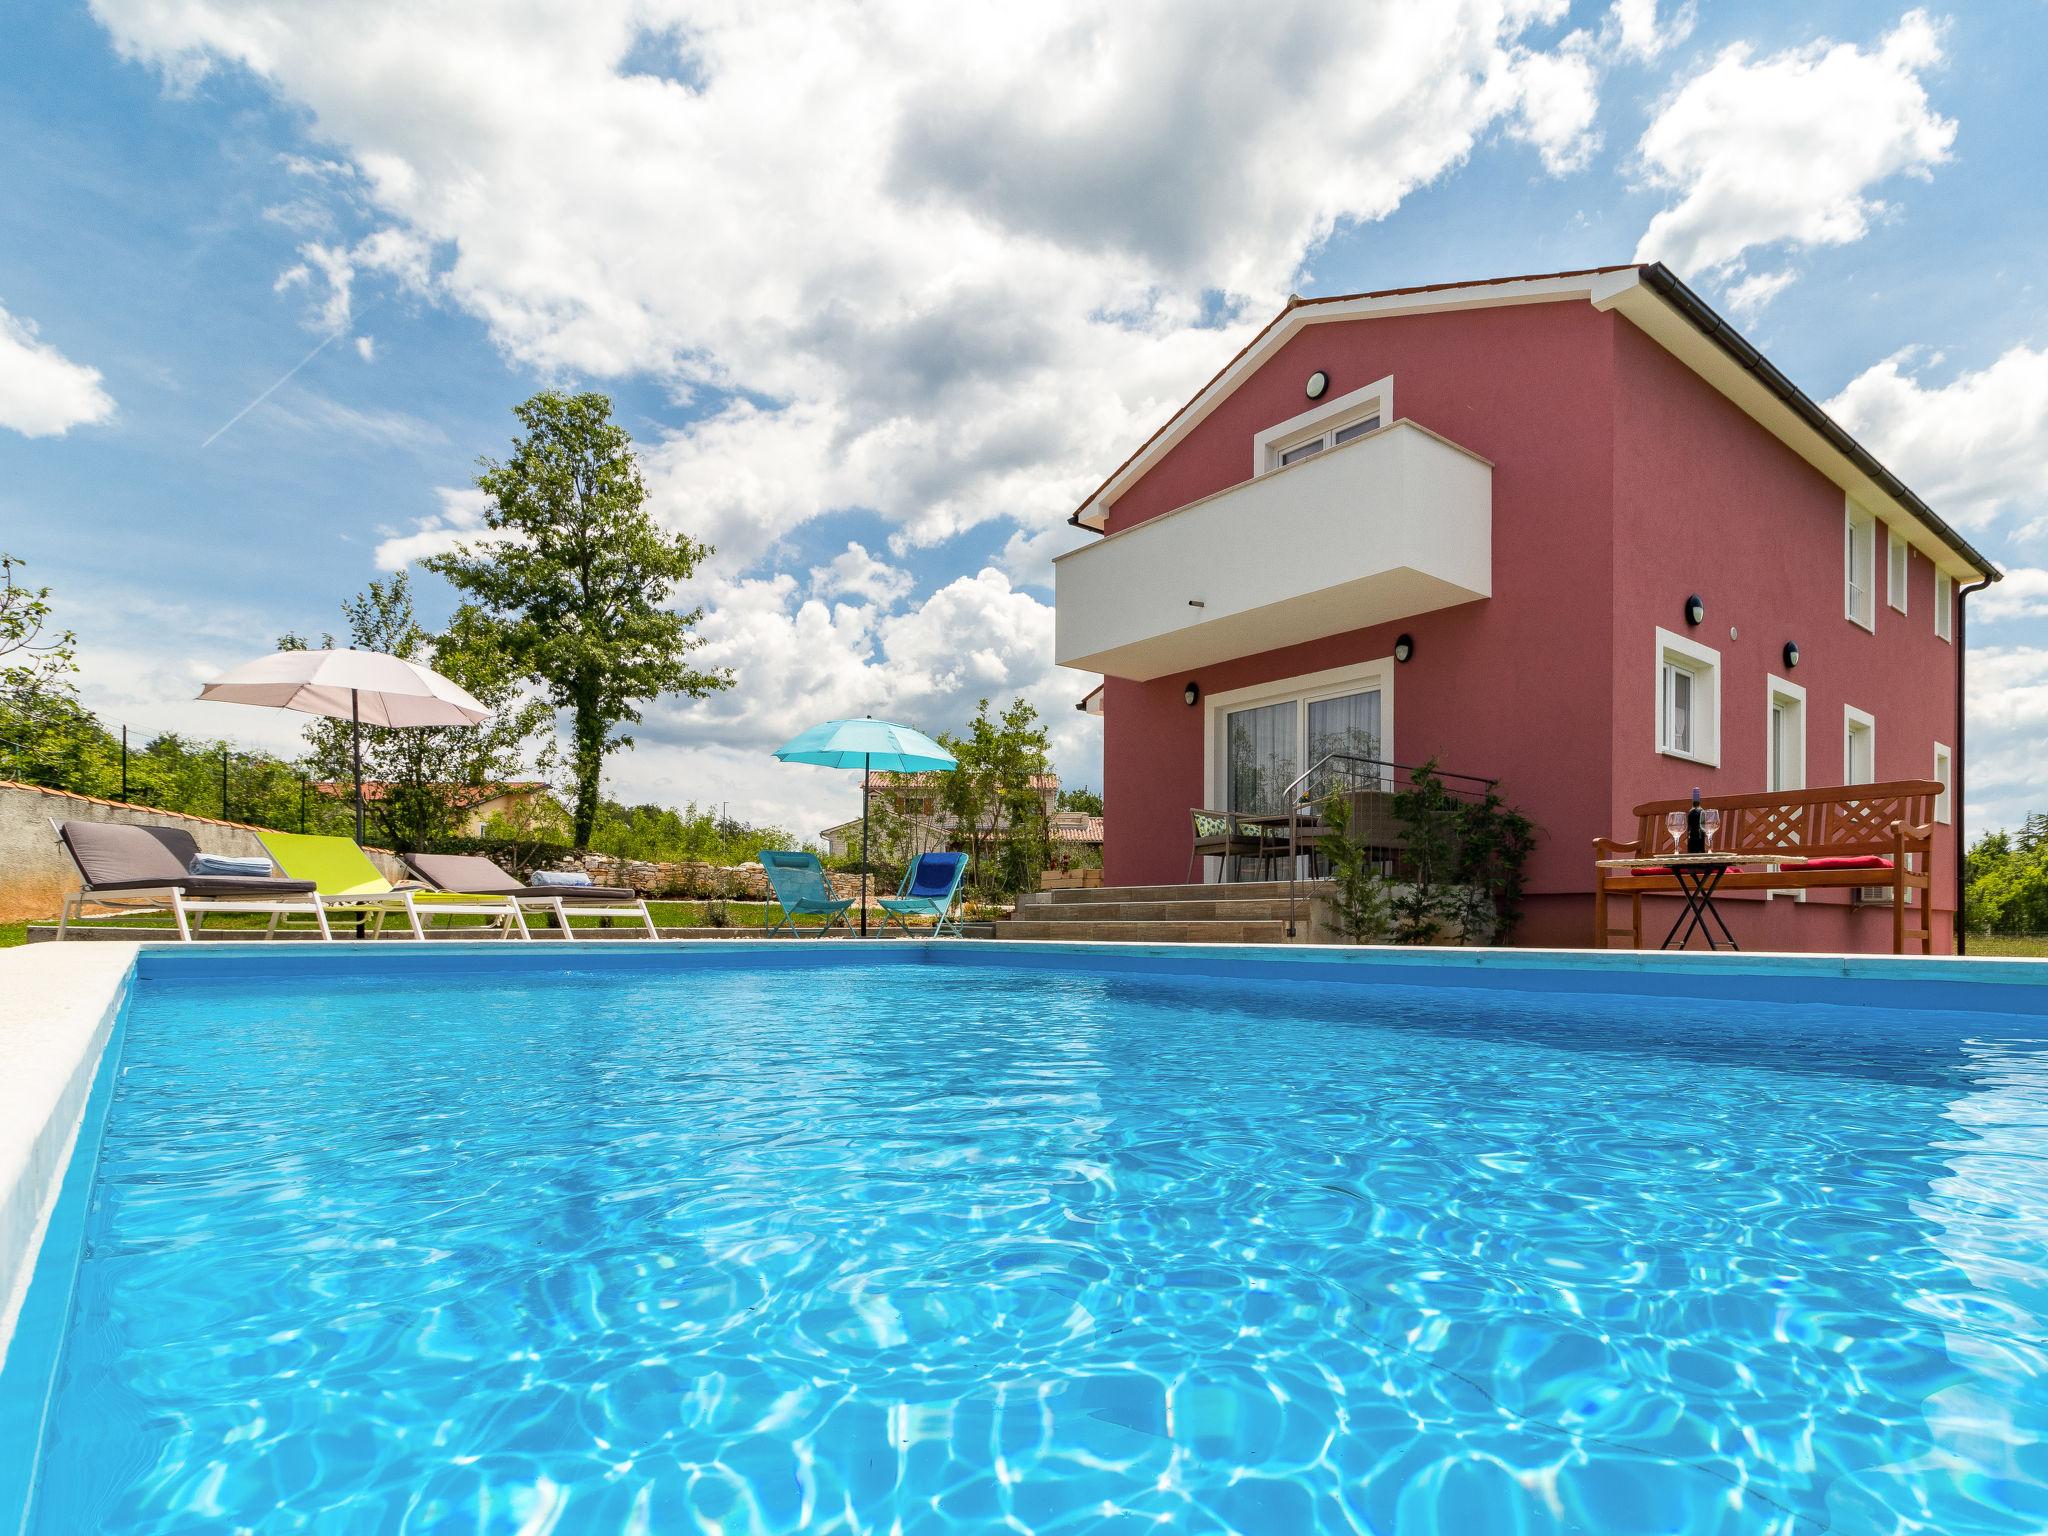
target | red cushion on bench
[
  {"x": 1652, "y": 869},
  {"x": 1847, "y": 861}
]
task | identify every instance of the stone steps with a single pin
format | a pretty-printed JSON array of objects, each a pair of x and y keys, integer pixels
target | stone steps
[
  {"x": 1250, "y": 890},
  {"x": 1250, "y": 913},
  {"x": 1147, "y": 931}
]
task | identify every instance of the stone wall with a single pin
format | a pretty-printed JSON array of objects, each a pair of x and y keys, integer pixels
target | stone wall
[
  {"x": 36, "y": 874},
  {"x": 740, "y": 882}
]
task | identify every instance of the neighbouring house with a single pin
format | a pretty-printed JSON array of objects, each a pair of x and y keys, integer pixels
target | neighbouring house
[
  {"x": 480, "y": 802},
  {"x": 1075, "y": 831},
  {"x": 918, "y": 801},
  {"x": 1468, "y": 523}
]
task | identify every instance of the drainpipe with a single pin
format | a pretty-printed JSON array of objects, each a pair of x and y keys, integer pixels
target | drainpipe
[{"x": 1955, "y": 791}]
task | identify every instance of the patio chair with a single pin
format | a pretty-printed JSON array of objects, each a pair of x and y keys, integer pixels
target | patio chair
[
  {"x": 1223, "y": 835},
  {"x": 801, "y": 890},
  {"x": 348, "y": 882},
  {"x": 930, "y": 887},
  {"x": 148, "y": 869},
  {"x": 479, "y": 876}
]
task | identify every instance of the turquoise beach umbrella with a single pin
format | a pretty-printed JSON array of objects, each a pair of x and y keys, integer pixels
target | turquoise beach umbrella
[{"x": 867, "y": 744}]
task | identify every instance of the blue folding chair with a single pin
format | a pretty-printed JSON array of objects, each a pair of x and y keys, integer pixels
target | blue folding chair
[
  {"x": 800, "y": 887},
  {"x": 930, "y": 887}
]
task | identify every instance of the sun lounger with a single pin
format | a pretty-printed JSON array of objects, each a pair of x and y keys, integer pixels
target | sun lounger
[
  {"x": 930, "y": 887},
  {"x": 800, "y": 887},
  {"x": 148, "y": 869},
  {"x": 480, "y": 876},
  {"x": 348, "y": 882}
]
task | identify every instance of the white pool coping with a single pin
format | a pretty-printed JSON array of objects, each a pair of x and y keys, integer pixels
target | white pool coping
[{"x": 58, "y": 1003}]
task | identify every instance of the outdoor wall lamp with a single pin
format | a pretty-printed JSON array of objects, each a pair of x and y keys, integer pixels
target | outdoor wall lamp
[
  {"x": 1404, "y": 647},
  {"x": 1317, "y": 383},
  {"x": 1192, "y": 693},
  {"x": 1791, "y": 654},
  {"x": 1695, "y": 610}
]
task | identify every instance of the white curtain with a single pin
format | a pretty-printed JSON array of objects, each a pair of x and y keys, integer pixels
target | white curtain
[
  {"x": 1261, "y": 756},
  {"x": 1350, "y": 725}
]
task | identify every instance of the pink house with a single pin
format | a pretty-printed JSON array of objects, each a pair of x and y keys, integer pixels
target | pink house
[{"x": 1525, "y": 482}]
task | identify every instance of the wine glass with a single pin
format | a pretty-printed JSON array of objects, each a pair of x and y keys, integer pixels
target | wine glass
[
  {"x": 1710, "y": 823},
  {"x": 1674, "y": 823}
]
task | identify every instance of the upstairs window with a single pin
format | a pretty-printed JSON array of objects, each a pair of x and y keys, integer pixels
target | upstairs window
[
  {"x": 1898, "y": 565},
  {"x": 1296, "y": 452},
  {"x": 1944, "y": 605},
  {"x": 1860, "y": 543}
]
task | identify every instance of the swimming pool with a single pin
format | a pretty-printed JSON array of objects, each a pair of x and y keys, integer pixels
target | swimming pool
[{"x": 1061, "y": 1239}]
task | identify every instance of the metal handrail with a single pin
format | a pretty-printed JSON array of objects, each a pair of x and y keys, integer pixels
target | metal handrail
[{"x": 1384, "y": 773}]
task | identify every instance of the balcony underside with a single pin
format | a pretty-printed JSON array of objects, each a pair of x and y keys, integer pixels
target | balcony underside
[{"x": 1377, "y": 599}]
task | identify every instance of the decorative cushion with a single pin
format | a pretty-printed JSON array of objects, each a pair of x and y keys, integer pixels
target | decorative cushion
[
  {"x": 1848, "y": 861},
  {"x": 560, "y": 877}
]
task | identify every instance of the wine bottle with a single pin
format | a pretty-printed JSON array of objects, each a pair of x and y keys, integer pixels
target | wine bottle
[{"x": 1695, "y": 826}]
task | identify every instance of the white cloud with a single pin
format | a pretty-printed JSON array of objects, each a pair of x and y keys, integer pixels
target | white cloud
[
  {"x": 1637, "y": 34},
  {"x": 460, "y": 521},
  {"x": 366, "y": 348},
  {"x": 2008, "y": 719},
  {"x": 1754, "y": 290},
  {"x": 1787, "y": 149},
  {"x": 329, "y": 272},
  {"x": 853, "y": 572},
  {"x": 307, "y": 410},
  {"x": 2022, "y": 594},
  {"x": 1560, "y": 99},
  {"x": 42, "y": 392},
  {"x": 1972, "y": 447}
]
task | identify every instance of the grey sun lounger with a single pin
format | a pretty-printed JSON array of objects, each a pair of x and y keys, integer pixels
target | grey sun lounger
[
  {"x": 147, "y": 869},
  {"x": 479, "y": 876}
]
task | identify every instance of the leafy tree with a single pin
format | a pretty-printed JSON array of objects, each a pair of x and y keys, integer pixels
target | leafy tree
[
  {"x": 998, "y": 813},
  {"x": 2005, "y": 881},
  {"x": 576, "y": 579},
  {"x": 431, "y": 774},
  {"x": 1086, "y": 801},
  {"x": 1359, "y": 888}
]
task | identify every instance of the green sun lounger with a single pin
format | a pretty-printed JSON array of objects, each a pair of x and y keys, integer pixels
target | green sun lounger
[{"x": 347, "y": 881}]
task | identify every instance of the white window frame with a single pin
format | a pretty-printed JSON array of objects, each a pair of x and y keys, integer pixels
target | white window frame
[
  {"x": 1307, "y": 688},
  {"x": 1944, "y": 774},
  {"x": 1944, "y": 606},
  {"x": 1898, "y": 568},
  {"x": 1776, "y": 691},
  {"x": 1856, "y": 720},
  {"x": 1322, "y": 421},
  {"x": 1855, "y": 519},
  {"x": 1704, "y": 663}
]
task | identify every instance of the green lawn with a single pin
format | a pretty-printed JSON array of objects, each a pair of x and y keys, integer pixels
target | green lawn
[{"x": 2025, "y": 946}]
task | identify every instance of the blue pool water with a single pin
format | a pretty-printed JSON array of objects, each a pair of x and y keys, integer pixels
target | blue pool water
[{"x": 962, "y": 1249}]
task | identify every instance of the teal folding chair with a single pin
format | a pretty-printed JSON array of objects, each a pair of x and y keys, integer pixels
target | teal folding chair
[
  {"x": 800, "y": 887},
  {"x": 930, "y": 887}
]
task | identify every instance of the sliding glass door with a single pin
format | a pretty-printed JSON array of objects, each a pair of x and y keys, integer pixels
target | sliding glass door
[{"x": 1268, "y": 746}]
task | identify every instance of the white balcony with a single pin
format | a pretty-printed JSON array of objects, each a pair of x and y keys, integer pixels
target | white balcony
[{"x": 1394, "y": 524}]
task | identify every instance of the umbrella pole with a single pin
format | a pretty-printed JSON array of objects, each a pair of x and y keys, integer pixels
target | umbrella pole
[
  {"x": 866, "y": 760},
  {"x": 355, "y": 733}
]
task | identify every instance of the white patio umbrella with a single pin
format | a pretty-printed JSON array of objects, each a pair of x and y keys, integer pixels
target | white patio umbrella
[{"x": 361, "y": 687}]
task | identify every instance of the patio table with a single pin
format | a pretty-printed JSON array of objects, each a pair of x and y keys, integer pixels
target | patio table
[{"x": 1698, "y": 875}]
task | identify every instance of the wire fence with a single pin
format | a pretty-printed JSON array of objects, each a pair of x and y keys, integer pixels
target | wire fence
[{"x": 164, "y": 770}]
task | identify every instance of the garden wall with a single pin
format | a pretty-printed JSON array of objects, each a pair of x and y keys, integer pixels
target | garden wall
[{"x": 36, "y": 874}]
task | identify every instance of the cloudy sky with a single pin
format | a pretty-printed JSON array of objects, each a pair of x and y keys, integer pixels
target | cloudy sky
[{"x": 882, "y": 289}]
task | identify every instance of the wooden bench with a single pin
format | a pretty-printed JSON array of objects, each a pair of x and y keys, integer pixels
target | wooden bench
[{"x": 1851, "y": 836}]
